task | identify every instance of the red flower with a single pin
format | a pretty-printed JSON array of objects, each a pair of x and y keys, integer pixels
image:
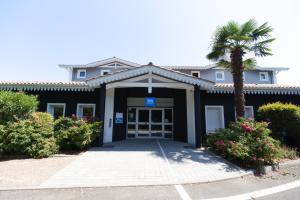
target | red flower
[
  {"x": 219, "y": 143},
  {"x": 246, "y": 128}
]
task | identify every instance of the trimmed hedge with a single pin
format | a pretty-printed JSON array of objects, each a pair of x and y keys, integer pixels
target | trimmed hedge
[
  {"x": 75, "y": 134},
  {"x": 33, "y": 137},
  {"x": 284, "y": 121},
  {"x": 16, "y": 105}
]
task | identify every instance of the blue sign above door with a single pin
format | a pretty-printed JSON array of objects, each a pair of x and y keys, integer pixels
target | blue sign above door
[{"x": 150, "y": 102}]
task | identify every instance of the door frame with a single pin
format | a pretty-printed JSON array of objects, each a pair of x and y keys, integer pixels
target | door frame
[{"x": 150, "y": 123}]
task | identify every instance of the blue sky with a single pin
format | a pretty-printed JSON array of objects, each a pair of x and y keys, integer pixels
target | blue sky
[{"x": 38, "y": 35}]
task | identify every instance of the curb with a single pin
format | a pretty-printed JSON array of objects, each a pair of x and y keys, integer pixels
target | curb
[
  {"x": 122, "y": 186},
  {"x": 290, "y": 163}
]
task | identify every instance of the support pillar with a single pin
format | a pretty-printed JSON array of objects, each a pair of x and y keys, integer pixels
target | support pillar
[
  {"x": 101, "y": 110},
  {"x": 190, "y": 116},
  {"x": 198, "y": 132}
]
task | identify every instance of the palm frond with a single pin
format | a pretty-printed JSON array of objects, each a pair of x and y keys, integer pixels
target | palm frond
[
  {"x": 262, "y": 31},
  {"x": 249, "y": 63},
  {"x": 248, "y": 27},
  {"x": 262, "y": 49},
  {"x": 232, "y": 28},
  {"x": 224, "y": 63},
  {"x": 219, "y": 44}
]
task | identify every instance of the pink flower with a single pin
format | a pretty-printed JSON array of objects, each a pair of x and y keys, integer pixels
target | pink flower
[
  {"x": 254, "y": 158},
  {"x": 231, "y": 142},
  {"x": 246, "y": 128},
  {"x": 219, "y": 143}
]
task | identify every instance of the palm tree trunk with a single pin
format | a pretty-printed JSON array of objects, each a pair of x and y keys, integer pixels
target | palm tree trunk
[{"x": 236, "y": 57}]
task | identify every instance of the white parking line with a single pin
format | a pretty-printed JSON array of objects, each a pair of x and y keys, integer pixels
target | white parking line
[
  {"x": 181, "y": 191},
  {"x": 262, "y": 193}
]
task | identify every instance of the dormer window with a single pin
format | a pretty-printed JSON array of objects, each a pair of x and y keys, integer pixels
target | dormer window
[
  {"x": 220, "y": 76},
  {"x": 104, "y": 72},
  {"x": 115, "y": 65},
  {"x": 195, "y": 74},
  {"x": 263, "y": 76},
  {"x": 81, "y": 73}
]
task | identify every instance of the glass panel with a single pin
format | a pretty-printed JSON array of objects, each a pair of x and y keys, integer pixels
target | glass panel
[
  {"x": 131, "y": 135},
  {"x": 143, "y": 134},
  {"x": 168, "y": 135},
  {"x": 131, "y": 115},
  {"x": 131, "y": 127},
  {"x": 156, "y": 116},
  {"x": 168, "y": 127},
  {"x": 58, "y": 111},
  {"x": 87, "y": 111},
  {"x": 156, "y": 127},
  {"x": 143, "y": 115},
  {"x": 156, "y": 134},
  {"x": 143, "y": 127},
  {"x": 168, "y": 116},
  {"x": 195, "y": 74},
  {"x": 82, "y": 74}
]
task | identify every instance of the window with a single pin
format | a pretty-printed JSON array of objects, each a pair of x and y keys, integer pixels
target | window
[
  {"x": 81, "y": 73},
  {"x": 249, "y": 112},
  {"x": 56, "y": 109},
  {"x": 263, "y": 76},
  {"x": 104, "y": 72},
  {"x": 214, "y": 118},
  {"x": 85, "y": 110},
  {"x": 195, "y": 74},
  {"x": 220, "y": 76}
]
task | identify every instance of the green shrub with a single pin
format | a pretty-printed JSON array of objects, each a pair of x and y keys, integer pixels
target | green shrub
[
  {"x": 16, "y": 105},
  {"x": 2, "y": 131},
  {"x": 33, "y": 137},
  {"x": 73, "y": 134},
  {"x": 246, "y": 142},
  {"x": 284, "y": 121},
  {"x": 288, "y": 152}
]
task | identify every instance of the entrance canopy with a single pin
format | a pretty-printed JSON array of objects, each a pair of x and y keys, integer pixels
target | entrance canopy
[{"x": 150, "y": 76}]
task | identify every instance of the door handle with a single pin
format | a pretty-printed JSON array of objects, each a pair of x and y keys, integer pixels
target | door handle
[{"x": 110, "y": 122}]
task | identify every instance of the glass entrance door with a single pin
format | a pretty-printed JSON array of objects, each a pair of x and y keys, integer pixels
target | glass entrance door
[
  {"x": 156, "y": 122},
  {"x": 150, "y": 122},
  {"x": 143, "y": 123}
]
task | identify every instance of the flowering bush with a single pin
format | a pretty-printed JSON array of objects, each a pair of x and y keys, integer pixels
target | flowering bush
[
  {"x": 76, "y": 134},
  {"x": 33, "y": 137},
  {"x": 247, "y": 142}
]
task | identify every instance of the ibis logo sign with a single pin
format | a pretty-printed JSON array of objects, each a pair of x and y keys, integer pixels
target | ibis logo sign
[{"x": 150, "y": 102}]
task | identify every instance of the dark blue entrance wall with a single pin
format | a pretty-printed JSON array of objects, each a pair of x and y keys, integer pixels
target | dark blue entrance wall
[
  {"x": 227, "y": 100},
  {"x": 71, "y": 98},
  {"x": 180, "y": 120}
]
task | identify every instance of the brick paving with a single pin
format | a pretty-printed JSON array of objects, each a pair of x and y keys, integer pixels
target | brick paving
[{"x": 141, "y": 162}]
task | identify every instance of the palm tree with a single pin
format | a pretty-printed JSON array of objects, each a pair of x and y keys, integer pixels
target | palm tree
[{"x": 234, "y": 47}]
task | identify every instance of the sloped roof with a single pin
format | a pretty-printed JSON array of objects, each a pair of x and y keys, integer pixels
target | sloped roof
[
  {"x": 258, "y": 89},
  {"x": 174, "y": 75},
  {"x": 204, "y": 67},
  {"x": 44, "y": 86},
  {"x": 173, "y": 67},
  {"x": 101, "y": 63}
]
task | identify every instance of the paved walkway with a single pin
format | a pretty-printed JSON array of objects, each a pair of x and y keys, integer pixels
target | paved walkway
[{"x": 143, "y": 162}]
